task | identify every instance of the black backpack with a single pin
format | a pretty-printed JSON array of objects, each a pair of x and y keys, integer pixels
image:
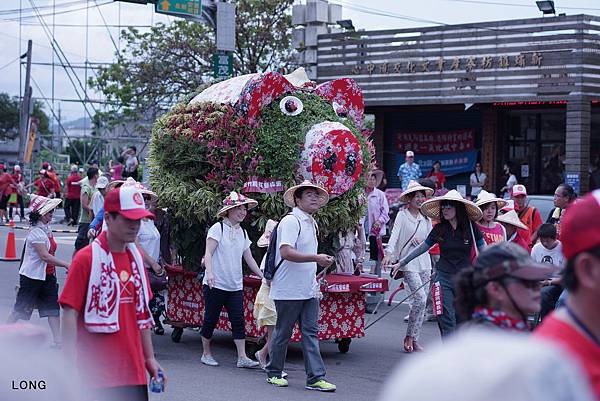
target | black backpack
[{"x": 270, "y": 265}]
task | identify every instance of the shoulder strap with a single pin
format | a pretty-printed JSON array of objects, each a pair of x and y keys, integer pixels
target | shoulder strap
[
  {"x": 474, "y": 241},
  {"x": 410, "y": 238}
]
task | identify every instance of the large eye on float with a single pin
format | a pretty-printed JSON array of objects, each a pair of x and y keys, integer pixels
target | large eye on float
[
  {"x": 291, "y": 106},
  {"x": 340, "y": 110}
]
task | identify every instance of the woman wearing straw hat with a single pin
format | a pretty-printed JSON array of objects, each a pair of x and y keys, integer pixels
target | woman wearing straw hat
[
  {"x": 502, "y": 288},
  {"x": 516, "y": 231},
  {"x": 458, "y": 237},
  {"x": 489, "y": 204},
  {"x": 264, "y": 307},
  {"x": 37, "y": 274},
  {"x": 226, "y": 244},
  {"x": 411, "y": 228}
]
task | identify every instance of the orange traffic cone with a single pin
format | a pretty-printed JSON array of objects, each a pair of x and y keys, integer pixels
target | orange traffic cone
[{"x": 11, "y": 246}]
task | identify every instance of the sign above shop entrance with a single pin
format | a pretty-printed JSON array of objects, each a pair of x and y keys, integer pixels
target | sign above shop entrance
[{"x": 452, "y": 64}]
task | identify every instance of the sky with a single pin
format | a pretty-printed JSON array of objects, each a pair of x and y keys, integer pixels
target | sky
[{"x": 96, "y": 46}]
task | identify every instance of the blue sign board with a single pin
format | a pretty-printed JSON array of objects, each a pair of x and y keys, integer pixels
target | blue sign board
[{"x": 452, "y": 163}]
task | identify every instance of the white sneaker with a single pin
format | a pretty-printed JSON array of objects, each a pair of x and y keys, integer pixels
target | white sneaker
[
  {"x": 209, "y": 360},
  {"x": 247, "y": 363},
  {"x": 406, "y": 318}
]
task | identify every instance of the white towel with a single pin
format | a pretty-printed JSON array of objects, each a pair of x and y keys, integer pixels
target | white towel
[{"x": 101, "y": 313}]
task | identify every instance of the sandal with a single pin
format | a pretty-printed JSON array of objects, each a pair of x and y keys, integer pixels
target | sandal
[
  {"x": 159, "y": 331},
  {"x": 408, "y": 344}
]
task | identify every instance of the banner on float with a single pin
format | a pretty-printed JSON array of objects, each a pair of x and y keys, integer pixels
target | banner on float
[
  {"x": 452, "y": 163},
  {"x": 262, "y": 185},
  {"x": 429, "y": 142}
]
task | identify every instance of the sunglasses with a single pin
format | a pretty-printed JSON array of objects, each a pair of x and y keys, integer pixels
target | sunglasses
[{"x": 529, "y": 284}]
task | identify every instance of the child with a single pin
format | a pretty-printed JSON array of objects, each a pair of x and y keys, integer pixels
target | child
[{"x": 549, "y": 250}]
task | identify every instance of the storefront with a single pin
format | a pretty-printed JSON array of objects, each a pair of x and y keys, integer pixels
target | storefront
[{"x": 522, "y": 92}]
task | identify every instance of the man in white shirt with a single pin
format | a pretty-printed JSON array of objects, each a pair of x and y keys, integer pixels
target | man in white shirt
[
  {"x": 294, "y": 287},
  {"x": 97, "y": 202}
]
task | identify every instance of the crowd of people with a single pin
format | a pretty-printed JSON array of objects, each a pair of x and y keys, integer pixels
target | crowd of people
[{"x": 490, "y": 263}]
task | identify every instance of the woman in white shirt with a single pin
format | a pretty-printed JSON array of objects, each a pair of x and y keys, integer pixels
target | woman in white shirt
[
  {"x": 510, "y": 183},
  {"x": 37, "y": 274},
  {"x": 410, "y": 229},
  {"x": 148, "y": 239},
  {"x": 226, "y": 243}
]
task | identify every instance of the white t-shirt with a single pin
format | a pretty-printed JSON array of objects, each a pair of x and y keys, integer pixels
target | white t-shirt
[
  {"x": 149, "y": 238},
  {"x": 554, "y": 257},
  {"x": 296, "y": 281},
  {"x": 33, "y": 266},
  {"x": 476, "y": 190},
  {"x": 227, "y": 258},
  {"x": 97, "y": 202}
]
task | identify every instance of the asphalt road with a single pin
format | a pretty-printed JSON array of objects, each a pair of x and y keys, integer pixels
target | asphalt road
[{"x": 359, "y": 374}]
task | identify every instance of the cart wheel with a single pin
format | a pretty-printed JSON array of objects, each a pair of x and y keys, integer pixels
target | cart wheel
[
  {"x": 344, "y": 345},
  {"x": 176, "y": 334}
]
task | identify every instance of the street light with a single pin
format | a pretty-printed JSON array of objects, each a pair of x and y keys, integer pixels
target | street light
[
  {"x": 346, "y": 24},
  {"x": 546, "y": 6}
]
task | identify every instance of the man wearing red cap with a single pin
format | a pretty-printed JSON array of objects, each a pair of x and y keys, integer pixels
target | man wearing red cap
[
  {"x": 106, "y": 315},
  {"x": 577, "y": 325},
  {"x": 529, "y": 215}
]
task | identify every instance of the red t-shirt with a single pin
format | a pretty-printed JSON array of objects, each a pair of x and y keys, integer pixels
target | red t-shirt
[
  {"x": 112, "y": 359},
  {"x": 492, "y": 235},
  {"x": 45, "y": 186},
  {"x": 581, "y": 347},
  {"x": 6, "y": 184},
  {"x": 73, "y": 190},
  {"x": 523, "y": 238},
  {"x": 440, "y": 179}
]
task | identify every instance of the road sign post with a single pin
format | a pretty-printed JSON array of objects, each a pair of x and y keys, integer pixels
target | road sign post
[{"x": 223, "y": 65}]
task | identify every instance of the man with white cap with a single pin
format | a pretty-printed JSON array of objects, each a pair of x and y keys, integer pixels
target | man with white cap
[
  {"x": 294, "y": 287},
  {"x": 576, "y": 326},
  {"x": 409, "y": 170},
  {"x": 529, "y": 215},
  {"x": 105, "y": 301}
]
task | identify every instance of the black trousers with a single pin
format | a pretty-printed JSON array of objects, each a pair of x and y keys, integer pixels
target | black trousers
[
  {"x": 21, "y": 206},
  {"x": 72, "y": 209},
  {"x": 214, "y": 300}
]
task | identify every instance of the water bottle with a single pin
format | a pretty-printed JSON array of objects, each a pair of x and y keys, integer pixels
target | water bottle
[{"x": 158, "y": 385}]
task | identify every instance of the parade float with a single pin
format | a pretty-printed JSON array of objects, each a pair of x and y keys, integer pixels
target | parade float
[{"x": 260, "y": 134}]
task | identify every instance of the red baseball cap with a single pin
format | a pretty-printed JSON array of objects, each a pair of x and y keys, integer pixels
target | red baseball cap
[
  {"x": 580, "y": 227},
  {"x": 128, "y": 202}
]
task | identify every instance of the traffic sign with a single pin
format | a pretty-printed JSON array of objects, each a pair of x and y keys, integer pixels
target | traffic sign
[
  {"x": 223, "y": 65},
  {"x": 177, "y": 7}
]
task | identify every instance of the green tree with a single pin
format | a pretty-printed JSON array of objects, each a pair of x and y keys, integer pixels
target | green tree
[
  {"x": 9, "y": 117},
  {"x": 158, "y": 67}
]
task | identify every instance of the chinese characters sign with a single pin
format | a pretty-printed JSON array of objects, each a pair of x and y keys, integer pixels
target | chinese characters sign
[
  {"x": 452, "y": 64},
  {"x": 189, "y": 7},
  {"x": 455, "y": 150},
  {"x": 436, "y": 142}
]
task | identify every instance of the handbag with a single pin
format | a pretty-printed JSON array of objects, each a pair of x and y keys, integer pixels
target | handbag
[
  {"x": 399, "y": 273},
  {"x": 157, "y": 283}
]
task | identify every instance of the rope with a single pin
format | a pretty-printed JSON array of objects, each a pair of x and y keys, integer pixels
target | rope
[{"x": 398, "y": 304}]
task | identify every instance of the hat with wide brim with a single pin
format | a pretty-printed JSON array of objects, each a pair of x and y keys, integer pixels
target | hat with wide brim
[
  {"x": 234, "y": 200},
  {"x": 42, "y": 204},
  {"x": 431, "y": 208},
  {"x": 485, "y": 197},
  {"x": 264, "y": 239},
  {"x": 511, "y": 218},
  {"x": 131, "y": 182},
  {"x": 114, "y": 184},
  {"x": 414, "y": 186},
  {"x": 288, "y": 196},
  {"x": 378, "y": 177}
]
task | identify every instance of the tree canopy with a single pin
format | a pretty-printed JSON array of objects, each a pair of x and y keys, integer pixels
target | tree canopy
[
  {"x": 156, "y": 68},
  {"x": 9, "y": 117}
]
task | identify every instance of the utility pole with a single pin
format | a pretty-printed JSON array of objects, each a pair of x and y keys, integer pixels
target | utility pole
[{"x": 26, "y": 105}]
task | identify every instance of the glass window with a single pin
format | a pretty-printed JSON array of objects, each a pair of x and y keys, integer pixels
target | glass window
[{"x": 553, "y": 127}]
